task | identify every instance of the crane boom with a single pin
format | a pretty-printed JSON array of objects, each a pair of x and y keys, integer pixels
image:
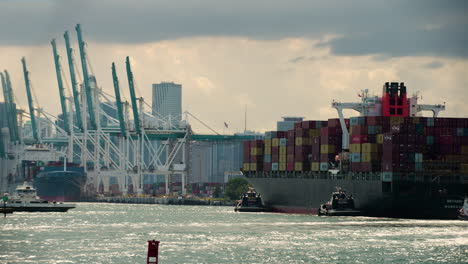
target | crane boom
[
  {"x": 60, "y": 86},
  {"x": 30, "y": 100},
  {"x": 133, "y": 97},
  {"x": 84, "y": 66},
  {"x": 76, "y": 96},
  {"x": 118, "y": 101},
  {"x": 12, "y": 108},
  {"x": 6, "y": 99}
]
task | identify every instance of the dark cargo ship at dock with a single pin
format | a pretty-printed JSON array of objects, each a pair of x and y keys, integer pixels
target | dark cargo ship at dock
[
  {"x": 392, "y": 161},
  {"x": 55, "y": 181}
]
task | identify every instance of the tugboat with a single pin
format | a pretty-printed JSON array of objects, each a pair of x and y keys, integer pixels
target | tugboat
[
  {"x": 463, "y": 212},
  {"x": 251, "y": 202},
  {"x": 26, "y": 200},
  {"x": 340, "y": 204}
]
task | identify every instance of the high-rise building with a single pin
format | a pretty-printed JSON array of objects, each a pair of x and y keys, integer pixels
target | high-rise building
[{"x": 167, "y": 100}]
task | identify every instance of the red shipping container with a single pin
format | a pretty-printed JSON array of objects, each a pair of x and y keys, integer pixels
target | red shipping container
[
  {"x": 275, "y": 158},
  {"x": 246, "y": 144},
  {"x": 290, "y": 150},
  {"x": 360, "y": 130},
  {"x": 256, "y": 159},
  {"x": 301, "y": 157},
  {"x": 267, "y": 166},
  {"x": 335, "y": 122},
  {"x": 297, "y": 125},
  {"x": 445, "y": 140},
  {"x": 290, "y": 166},
  {"x": 308, "y": 124},
  {"x": 366, "y": 166},
  {"x": 282, "y": 134},
  {"x": 359, "y": 139},
  {"x": 356, "y": 166},
  {"x": 329, "y": 131},
  {"x": 290, "y": 158},
  {"x": 275, "y": 150},
  {"x": 315, "y": 149},
  {"x": 373, "y": 120},
  {"x": 327, "y": 157},
  {"x": 291, "y": 133},
  {"x": 299, "y": 150},
  {"x": 331, "y": 140}
]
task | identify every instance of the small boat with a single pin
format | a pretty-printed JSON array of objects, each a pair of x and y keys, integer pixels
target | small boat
[
  {"x": 26, "y": 200},
  {"x": 340, "y": 204},
  {"x": 463, "y": 212},
  {"x": 251, "y": 202}
]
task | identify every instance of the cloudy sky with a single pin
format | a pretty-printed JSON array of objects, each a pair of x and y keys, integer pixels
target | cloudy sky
[{"x": 277, "y": 58}]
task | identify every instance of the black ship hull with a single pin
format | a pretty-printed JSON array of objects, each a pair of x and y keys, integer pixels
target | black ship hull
[
  {"x": 419, "y": 198},
  {"x": 60, "y": 186}
]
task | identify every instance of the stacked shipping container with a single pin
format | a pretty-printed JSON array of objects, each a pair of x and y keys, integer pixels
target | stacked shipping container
[{"x": 386, "y": 144}]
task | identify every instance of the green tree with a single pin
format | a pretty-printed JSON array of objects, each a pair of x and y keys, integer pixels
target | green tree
[
  {"x": 217, "y": 192},
  {"x": 236, "y": 187}
]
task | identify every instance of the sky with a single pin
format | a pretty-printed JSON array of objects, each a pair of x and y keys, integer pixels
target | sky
[{"x": 275, "y": 58}]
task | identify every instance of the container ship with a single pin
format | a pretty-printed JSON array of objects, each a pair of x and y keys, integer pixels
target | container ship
[
  {"x": 56, "y": 181},
  {"x": 393, "y": 162},
  {"x": 60, "y": 183}
]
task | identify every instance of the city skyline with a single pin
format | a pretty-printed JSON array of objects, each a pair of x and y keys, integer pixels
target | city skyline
[{"x": 249, "y": 57}]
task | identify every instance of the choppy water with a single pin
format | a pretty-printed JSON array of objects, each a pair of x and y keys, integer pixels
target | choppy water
[{"x": 117, "y": 233}]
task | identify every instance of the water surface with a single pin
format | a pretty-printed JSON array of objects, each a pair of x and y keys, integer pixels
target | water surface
[{"x": 117, "y": 233}]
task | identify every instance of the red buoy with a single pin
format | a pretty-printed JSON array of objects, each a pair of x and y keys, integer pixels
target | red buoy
[{"x": 153, "y": 252}]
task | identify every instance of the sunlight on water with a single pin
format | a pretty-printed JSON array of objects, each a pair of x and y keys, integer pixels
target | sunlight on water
[{"x": 117, "y": 233}]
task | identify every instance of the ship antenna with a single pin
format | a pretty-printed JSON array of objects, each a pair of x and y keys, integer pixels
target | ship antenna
[{"x": 245, "y": 119}]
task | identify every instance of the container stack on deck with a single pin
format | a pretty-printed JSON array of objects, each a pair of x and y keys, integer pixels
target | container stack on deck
[{"x": 389, "y": 145}]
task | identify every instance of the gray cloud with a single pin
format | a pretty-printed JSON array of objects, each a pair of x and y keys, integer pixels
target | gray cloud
[
  {"x": 434, "y": 65},
  {"x": 392, "y": 28}
]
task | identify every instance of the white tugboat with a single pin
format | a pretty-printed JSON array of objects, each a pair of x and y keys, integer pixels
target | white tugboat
[
  {"x": 26, "y": 200},
  {"x": 463, "y": 212}
]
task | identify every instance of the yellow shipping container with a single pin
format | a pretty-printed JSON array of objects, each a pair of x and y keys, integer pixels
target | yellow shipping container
[
  {"x": 355, "y": 148},
  {"x": 256, "y": 151},
  {"x": 282, "y": 166},
  {"x": 369, "y": 156},
  {"x": 282, "y": 150},
  {"x": 298, "y": 166},
  {"x": 315, "y": 166},
  {"x": 253, "y": 166},
  {"x": 268, "y": 142},
  {"x": 464, "y": 150},
  {"x": 267, "y": 150},
  {"x": 246, "y": 167},
  {"x": 380, "y": 138},
  {"x": 314, "y": 133},
  {"x": 327, "y": 149},
  {"x": 396, "y": 120},
  {"x": 416, "y": 120},
  {"x": 275, "y": 142},
  {"x": 299, "y": 141},
  {"x": 282, "y": 158},
  {"x": 369, "y": 147}
]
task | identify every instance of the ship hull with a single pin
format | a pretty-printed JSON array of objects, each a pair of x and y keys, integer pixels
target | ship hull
[
  {"x": 304, "y": 193},
  {"x": 60, "y": 186}
]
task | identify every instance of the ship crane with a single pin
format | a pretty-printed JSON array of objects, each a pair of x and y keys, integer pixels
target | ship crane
[
  {"x": 367, "y": 106},
  {"x": 434, "y": 108}
]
